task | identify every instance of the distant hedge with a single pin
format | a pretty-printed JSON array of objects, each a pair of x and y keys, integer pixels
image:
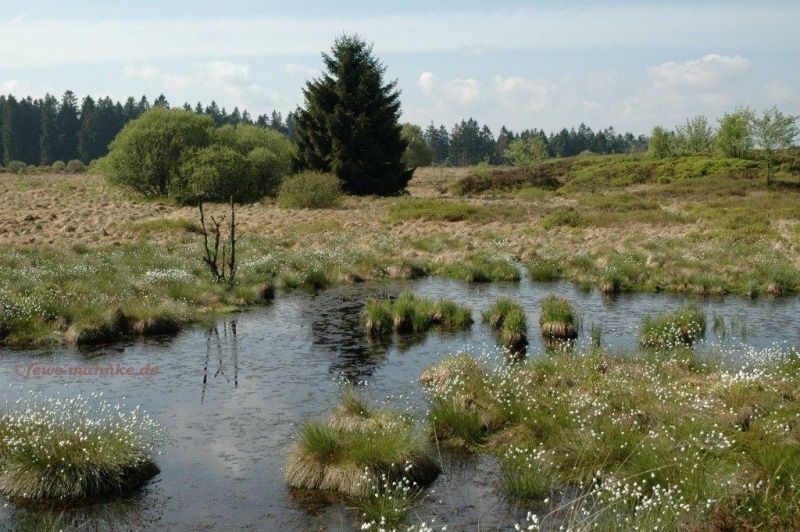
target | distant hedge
[{"x": 176, "y": 153}]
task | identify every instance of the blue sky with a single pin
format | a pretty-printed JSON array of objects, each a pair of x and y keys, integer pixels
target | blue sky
[{"x": 524, "y": 64}]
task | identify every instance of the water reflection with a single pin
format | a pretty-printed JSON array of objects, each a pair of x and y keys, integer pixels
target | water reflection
[
  {"x": 221, "y": 466},
  {"x": 218, "y": 344}
]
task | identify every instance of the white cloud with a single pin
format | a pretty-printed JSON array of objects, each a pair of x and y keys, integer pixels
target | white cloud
[
  {"x": 13, "y": 86},
  {"x": 142, "y": 72},
  {"x": 518, "y": 93},
  {"x": 709, "y": 72},
  {"x": 777, "y": 91},
  {"x": 302, "y": 72},
  {"x": 234, "y": 80},
  {"x": 43, "y": 42},
  {"x": 667, "y": 93},
  {"x": 461, "y": 92},
  {"x": 225, "y": 72}
]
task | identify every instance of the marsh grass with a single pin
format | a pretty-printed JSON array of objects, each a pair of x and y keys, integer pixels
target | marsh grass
[
  {"x": 664, "y": 440},
  {"x": 558, "y": 318},
  {"x": 544, "y": 270},
  {"x": 434, "y": 209},
  {"x": 671, "y": 329},
  {"x": 463, "y": 411},
  {"x": 166, "y": 225},
  {"x": 358, "y": 449},
  {"x": 481, "y": 268},
  {"x": 409, "y": 314},
  {"x": 65, "y": 451},
  {"x": 508, "y": 319}
]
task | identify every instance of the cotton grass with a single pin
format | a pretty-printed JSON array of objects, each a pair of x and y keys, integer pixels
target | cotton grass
[{"x": 65, "y": 451}]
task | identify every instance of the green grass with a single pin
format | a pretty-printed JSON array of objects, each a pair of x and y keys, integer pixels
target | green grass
[
  {"x": 558, "y": 318},
  {"x": 508, "y": 318},
  {"x": 563, "y": 217},
  {"x": 68, "y": 451},
  {"x": 608, "y": 171},
  {"x": 463, "y": 412},
  {"x": 166, "y": 225},
  {"x": 411, "y": 314},
  {"x": 53, "y": 296},
  {"x": 670, "y": 329},
  {"x": 640, "y": 439},
  {"x": 481, "y": 268},
  {"x": 525, "y": 473},
  {"x": 433, "y": 209},
  {"x": 544, "y": 269},
  {"x": 375, "y": 451}
]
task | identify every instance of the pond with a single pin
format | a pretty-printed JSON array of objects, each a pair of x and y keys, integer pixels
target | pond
[{"x": 231, "y": 397}]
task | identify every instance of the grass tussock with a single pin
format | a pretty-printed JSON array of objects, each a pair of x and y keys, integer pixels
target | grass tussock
[
  {"x": 463, "y": 411},
  {"x": 409, "y": 314},
  {"x": 481, "y": 268},
  {"x": 670, "y": 329},
  {"x": 558, "y": 319},
  {"x": 661, "y": 440},
  {"x": 358, "y": 451},
  {"x": 508, "y": 318},
  {"x": 65, "y": 451}
]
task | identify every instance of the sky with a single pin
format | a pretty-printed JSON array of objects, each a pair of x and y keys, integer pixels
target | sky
[{"x": 546, "y": 64}]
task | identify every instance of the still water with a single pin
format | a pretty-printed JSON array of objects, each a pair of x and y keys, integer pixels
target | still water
[{"x": 231, "y": 397}]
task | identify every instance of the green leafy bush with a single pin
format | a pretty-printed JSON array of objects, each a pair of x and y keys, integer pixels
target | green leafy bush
[
  {"x": 15, "y": 166},
  {"x": 310, "y": 190},
  {"x": 269, "y": 154},
  {"x": 75, "y": 167},
  {"x": 147, "y": 155},
  {"x": 59, "y": 166},
  {"x": 180, "y": 154},
  {"x": 215, "y": 173}
]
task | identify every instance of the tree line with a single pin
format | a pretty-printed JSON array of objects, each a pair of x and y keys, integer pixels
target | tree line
[
  {"x": 42, "y": 131},
  {"x": 469, "y": 143}
]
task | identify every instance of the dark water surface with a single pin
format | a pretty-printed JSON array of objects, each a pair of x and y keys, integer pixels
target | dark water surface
[{"x": 231, "y": 398}]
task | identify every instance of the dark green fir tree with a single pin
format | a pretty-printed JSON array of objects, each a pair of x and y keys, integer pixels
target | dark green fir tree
[{"x": 350, "y": 123}]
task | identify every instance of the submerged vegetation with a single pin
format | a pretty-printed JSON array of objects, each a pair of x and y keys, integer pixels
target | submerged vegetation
[
  {"x": 67, "y": 451},
  {"x": 508, "y": 318},
  {"x": 410, "y": 314},
  {"x": 670, "y": 441}
]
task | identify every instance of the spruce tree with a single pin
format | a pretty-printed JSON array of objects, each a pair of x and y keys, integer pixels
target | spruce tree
[
  {"x": 29, "y": 130},
  {"x": 68, "y": 127},
  {"x": 11, "y": 127},
  {"x": 48, "y": 142},
  {"x": 88, "y": 136},
  {"x": 350, "y": 122}
]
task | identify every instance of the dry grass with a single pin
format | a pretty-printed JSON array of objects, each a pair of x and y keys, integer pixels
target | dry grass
[{"x": 706, "y": 235}]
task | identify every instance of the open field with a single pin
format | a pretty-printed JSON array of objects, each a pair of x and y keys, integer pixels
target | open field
[{"x": 75, "y": 251}]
